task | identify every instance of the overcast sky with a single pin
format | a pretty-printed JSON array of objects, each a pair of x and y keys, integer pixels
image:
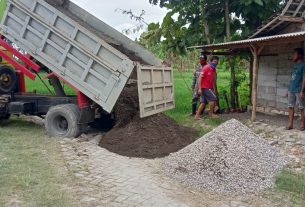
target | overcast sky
[{"x": 105, "y": 10}]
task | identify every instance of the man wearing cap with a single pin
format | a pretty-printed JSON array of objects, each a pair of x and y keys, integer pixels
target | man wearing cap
[
  {"x": 207, "y": 90},
  {"x": 195, "y": 85}
]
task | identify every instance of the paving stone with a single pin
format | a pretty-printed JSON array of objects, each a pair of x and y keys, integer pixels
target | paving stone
[
  {"x": 238, "y": 204},
  {"x": 121, "y": 198},
  {"x": 108, "y": 179},
  {"x": 290, "y": 139},
  {"x": 88, "y": 199}
]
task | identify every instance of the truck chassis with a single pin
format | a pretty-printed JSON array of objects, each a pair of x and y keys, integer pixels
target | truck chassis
[{"x": 65, "y": 116}]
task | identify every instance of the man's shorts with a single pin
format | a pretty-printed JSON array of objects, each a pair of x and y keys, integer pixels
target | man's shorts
[
  {"x": 294, "y": 99},
  {"x": 208, "y": 96}
]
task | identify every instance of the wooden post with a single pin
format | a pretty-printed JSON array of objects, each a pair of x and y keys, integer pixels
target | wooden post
[
  {"x": 251, "y": 79},
  {"x": 256, "y": 50}
]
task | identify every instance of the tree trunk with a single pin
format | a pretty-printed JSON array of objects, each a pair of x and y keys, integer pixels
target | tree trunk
[
  {"x": 231, "y": 61},
  {"x": 233, "y": 84},
  {"x": 206, "y": 29},
  {"x": 228, "y": 20}
]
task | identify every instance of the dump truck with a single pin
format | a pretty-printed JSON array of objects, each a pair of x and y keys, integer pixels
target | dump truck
[{"x": 67, "y": 44}]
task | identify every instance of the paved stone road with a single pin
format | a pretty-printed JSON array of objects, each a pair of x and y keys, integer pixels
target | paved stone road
[
  {"x": 291, "y": 142},
  {"x": 114, "y": 180},
  {"x": 107, "y": 179}
]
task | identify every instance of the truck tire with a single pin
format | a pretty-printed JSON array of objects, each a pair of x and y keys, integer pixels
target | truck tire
[
  {"x": 8, "y": 80},
  {"x": 62, "y": 121}
]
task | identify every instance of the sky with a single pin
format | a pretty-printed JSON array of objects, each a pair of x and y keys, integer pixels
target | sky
[{"x": 106, "y": 11}]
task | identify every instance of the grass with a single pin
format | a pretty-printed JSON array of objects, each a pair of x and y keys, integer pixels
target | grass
[
  {"x": 29, "y": 164},
  {"x": 183, "y": 97},
  {"x": 39, "y": 86},
  {"x": 292, "y": 184},
  {"x": 183, "y": 94},
  {"x": 30, "y": 170}
]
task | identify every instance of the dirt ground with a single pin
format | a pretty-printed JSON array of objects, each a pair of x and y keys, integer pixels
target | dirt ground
[
  {"x": 142, "y": 182},
  {"x": 275, "y": 120},
  {"x": 151, "y": 137},
  {"x": 105, "y": 178}
]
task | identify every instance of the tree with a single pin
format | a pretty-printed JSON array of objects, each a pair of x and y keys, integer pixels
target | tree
[
  {"x": 210, "y": 21},
  {"x": 138, "y": 18},
  {"x": 209, "y": 15},
  {"x": 260, "y": 9}
]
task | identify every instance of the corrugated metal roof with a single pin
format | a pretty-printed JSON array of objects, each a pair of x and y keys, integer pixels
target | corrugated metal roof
[
  {"x": 275, "y": 24},
  {"x": 270, "y": 40}
]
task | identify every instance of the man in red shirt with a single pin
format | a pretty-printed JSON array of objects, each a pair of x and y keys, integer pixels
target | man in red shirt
[{"x": 207, "y": 81}]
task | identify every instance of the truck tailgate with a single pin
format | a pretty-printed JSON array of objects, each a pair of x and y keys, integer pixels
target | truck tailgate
[{"x": 156, "y": 89}]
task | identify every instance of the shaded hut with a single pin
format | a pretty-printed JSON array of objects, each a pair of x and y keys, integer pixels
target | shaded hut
[{"x": 270, "y": 46}]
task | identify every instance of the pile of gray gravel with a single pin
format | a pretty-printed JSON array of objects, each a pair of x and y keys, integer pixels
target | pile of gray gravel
[{"x": 231, "y": 158}]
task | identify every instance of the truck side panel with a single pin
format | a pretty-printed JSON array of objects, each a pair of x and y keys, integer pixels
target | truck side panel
[
  {"x": 135, "y": 51},
  {"x": 71, "y": 51}
]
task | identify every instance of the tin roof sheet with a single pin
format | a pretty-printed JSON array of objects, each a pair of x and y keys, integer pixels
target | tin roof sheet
[{"x": 269, "y": 40}]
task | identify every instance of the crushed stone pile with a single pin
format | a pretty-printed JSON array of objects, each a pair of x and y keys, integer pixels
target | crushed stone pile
[
  {"x": 150, "y": 137},
  {"x": 231, "y": 158}
]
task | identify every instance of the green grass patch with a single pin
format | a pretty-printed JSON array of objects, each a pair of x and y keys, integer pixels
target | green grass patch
[
  {"x": 214, "y": 122},
  {"x": 183, "y": 98},
  {"x": 44, "y": 87},
  {"x": 292, "y": 183},
  {"x": 183, "y": 92},
  {"x": 29, "y": 163}
]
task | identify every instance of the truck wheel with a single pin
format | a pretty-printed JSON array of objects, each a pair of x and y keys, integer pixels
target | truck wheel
[
  {"x": 8, "y": 79},
  {"x": 62, "y": 121}
]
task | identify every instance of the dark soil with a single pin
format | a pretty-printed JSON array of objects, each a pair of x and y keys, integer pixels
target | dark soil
[
  {"x": 276, "y": 120},
  {"x": 151, "y": 137}
]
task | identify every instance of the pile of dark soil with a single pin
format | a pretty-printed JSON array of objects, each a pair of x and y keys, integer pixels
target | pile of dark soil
[{"x": 151, "y": 137}]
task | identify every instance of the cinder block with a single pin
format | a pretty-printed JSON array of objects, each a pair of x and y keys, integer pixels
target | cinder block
[
  {"x": 283, "y": 78},
  {"x": 281, "y": 106},
  {"x": 285, "y": 70},
  {"x": 266, "y": 90}
]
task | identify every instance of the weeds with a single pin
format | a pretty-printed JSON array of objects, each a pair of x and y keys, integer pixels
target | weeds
[{"x": 27, "y": 175}]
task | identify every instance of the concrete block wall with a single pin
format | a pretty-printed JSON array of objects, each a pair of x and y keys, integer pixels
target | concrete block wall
[
  {"x": 273, "y": 79},
  {"x": 283, "y": 78},
  {"x": 267, "y": 81},
  {"x": 274, "y": 74}
]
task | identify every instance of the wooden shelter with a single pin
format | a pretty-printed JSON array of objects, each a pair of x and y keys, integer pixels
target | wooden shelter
[{"x": 271, "y": 46}]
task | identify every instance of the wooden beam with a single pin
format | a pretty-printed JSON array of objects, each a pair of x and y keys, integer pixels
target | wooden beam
[
  {"x": 256, "y": 50},
  {"x": 237, "y": 53},
  {"x": 301, "y": 4},
  {"x": 292, "y": 19},
  {"x": 263, "y": 28},
  {"x": 287, "y": 6}
]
